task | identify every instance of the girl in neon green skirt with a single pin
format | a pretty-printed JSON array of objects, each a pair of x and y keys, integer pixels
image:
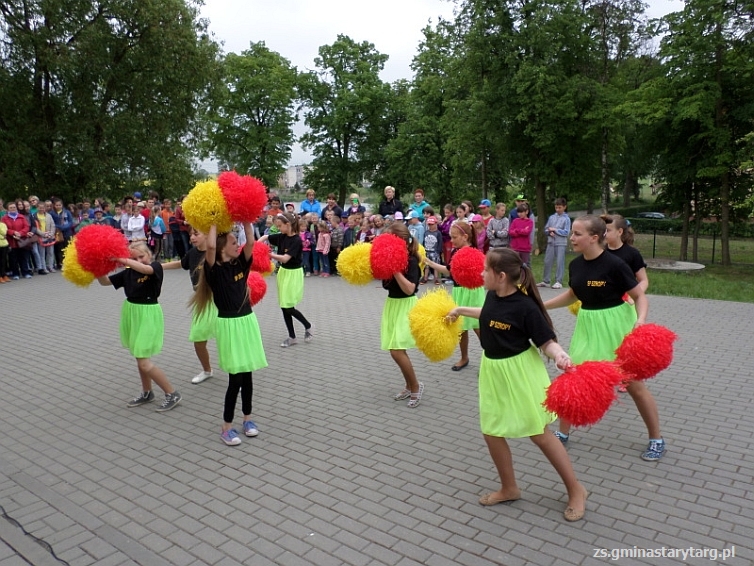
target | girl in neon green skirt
[
  {"x": 513, "y": 379},
  {"x": 239, "y": 341},
  {"x": 141, "y": 324},
  {"x": 462, "y": 234},
  {"x": 599, "y": 280},
  {"x": 290, "y": 276}
]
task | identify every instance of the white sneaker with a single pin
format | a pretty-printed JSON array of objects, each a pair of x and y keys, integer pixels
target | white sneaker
[
  {"x": 541, "y": 284},
  {"x": 557, "y": 286},
  {"x": 309, "y": 334},
  {"x": 198, "y": 378},
  {"x": 288, "y": 342}
]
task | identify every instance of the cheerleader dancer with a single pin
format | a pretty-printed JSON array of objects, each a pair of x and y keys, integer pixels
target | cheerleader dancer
[
  {"x": 462, "y": 234},
  {"x": 290, "y": 277},
  {"x": 239, "y": 342},
  {"x": 513, "y": 379},
  {"x": 141, "y": 324},
  {"x": 395, "y": 332},
  {"x": 599, "y": 280},
  {"x": 202, "y": 324}
]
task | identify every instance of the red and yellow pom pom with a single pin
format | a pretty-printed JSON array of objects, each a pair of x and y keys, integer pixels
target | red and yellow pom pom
[
  {"x": 354, "y": 264},
  {"x": 257, "y": 287},
  {"x": 467, "y": 266},
  {"x": 260, "y": 257},
  {"x": 96, "y": 245},
  {"x": 389, "y": 255},
  {"x": 72, "y": 270},
  {"x": 245, "y": 196},
  {"x": 435, "y": 337},
  {"x": 205, "y": 205},
  {"x": 583, "y": 394},
  {"x": 646, "y": 351}
]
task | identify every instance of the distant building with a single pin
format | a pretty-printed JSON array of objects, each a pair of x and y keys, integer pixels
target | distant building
[{"x": 292, "y": 176}]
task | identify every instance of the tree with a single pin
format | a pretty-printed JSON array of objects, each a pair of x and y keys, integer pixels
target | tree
[
  {"x": 345, "y": 109},
  {"x": 251, "y": 122},
  {"x": 100, "y": 95}
]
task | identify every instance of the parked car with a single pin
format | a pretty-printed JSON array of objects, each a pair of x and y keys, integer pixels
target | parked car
[{"x": 654, "y": 215}]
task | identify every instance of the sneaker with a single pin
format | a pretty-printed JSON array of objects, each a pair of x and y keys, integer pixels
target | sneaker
[
  {"x": 15, "y": 278},
  {"x": 27, "y": 276},
  {"x": 42, "y": 272},
  {"x": 414, "y": 401},
  {"x": 562, "y": 437},
  {"x": 143, "y": 399},
  {"x": 288, "y": 342},
  {"x": 171, "y": 400},
  {"x": 308, "y": 275},
  {"x": 230, "y": 437},
  {"x": 557, "y": 285},
  {"x": 655, "y": 450},
  {"x": 543, "y": 284},
  {"x": 202, "y": 376},
  {"x": 309, "y": 334},
  {"x": 250, "y": 429}
]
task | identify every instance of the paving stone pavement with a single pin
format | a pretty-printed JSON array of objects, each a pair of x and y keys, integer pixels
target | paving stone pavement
[{"x": 340, "y": 473}]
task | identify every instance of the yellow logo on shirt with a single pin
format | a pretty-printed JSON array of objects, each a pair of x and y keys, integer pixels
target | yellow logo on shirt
[
  {"x": 238, "y": 276},
  {"x": 500, "y": 325},
  {"x": 142, "y": 279},
  {"x": 596, "y": 283}
]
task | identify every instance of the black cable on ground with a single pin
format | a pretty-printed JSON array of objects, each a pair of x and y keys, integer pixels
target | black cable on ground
[{"x": 39, "y": 541}]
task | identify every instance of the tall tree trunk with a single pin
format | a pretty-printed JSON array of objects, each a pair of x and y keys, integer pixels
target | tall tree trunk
[
  {"x": 605, "y": 173},
  {"x": 629, "y": 187},
  {"x": 484, "y": 174},
  {"x": 540, "y": 188},
  {"x": 725, "y": 218}
]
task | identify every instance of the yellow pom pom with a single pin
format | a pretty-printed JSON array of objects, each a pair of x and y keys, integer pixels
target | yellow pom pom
[
  {"x": 270, "y": 271},
  {"x": 574, "y": 308},
  {"x": 435, "y": 337},
  {"x": 72, "y": 269},
  {"x": 422, "y": 257},
  {"x": 354, "y": 265},
  {"x": 205, "y": 206}
]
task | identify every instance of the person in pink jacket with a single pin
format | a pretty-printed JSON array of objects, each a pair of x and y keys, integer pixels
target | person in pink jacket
[
  {"x": 520, "y": 233},
  {"x": 18, "y": 230}
]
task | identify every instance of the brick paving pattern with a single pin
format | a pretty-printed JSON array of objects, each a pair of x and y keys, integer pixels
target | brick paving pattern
[{"x": 340, "y": 473}]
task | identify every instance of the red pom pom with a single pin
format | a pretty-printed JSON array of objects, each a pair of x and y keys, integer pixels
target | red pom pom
[
  {"x": 583, "y": 394},
  {"x": 646, "y": 351},
  {"x": 96, "y": 245},
  {"x": 257, "y": 287},
  {"x": 389, "y": 255},
  {"x": 245, "y": 196},
  {"x": 260, "y": 257},
  {"x": 467, "y": 266}
]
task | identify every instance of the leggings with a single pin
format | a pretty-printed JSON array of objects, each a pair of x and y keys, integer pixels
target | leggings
[
  {"x": 238, "y": 381},
  {"x": 288, "y": 315}
]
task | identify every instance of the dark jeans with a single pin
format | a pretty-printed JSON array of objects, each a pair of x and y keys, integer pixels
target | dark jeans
[
  {"x": 19, "y": 261},
  {"x": 4, "y": 261},
  {"x": 238, "y": 381}
]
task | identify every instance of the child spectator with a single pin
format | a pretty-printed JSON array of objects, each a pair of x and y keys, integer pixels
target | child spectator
[
  {"x": 365, "y": 234},
  {"x": 433, "y": 247},
  {"x": 157, "y": 230},
  {"x": 307, "y": 242},
  {"x": 481, "y": 232},
  {"x": 520, "y": 233},
  {"x": 497, "y": 228},
  {"x": 557, "y": 229},
  {"x": 336, "y": 241},
  {"x": 415, "y": 227},
  {"x": 349, "y": 234},
  {"x": 323, "y": 248}
]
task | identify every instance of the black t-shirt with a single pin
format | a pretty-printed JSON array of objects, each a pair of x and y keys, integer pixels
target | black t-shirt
[
  {"x": 600, "y": 283},
  {"x": 412, "y": 273},
  {"x": 193, "y": 261},
  {"x": 508, "y": 324},
  {"x": 631, "y": 256},
  {"x": 288, "y": 245},
  {"x": 140, "y": 289},
  {"x": 229, "y": 289}
]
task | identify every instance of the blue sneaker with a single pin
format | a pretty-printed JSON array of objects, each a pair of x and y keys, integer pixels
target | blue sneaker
[
  {"x": 655, "y": 450},
  {"x": 230, "y": 437},
  {"x": 562, "y": 437},
  {"x": 250, "y": 429}
]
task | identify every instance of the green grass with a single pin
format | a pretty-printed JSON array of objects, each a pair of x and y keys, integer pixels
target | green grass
[
  {"x": 735, "y": 283},
  {"x": 667, "y": 246}
]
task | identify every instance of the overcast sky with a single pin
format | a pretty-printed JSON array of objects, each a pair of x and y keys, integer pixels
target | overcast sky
[{"x": 297, "y": 28}]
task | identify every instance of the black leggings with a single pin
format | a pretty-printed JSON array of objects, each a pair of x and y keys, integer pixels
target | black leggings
[
  {"x": 288, "y": 315},
  {"x": 238, "y": 381}
]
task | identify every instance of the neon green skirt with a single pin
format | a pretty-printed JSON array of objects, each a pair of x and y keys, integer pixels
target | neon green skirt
[
  {"x": 142, "y": 328},
  {"x": 290, "y": 287},
  {"x": 203, "y": 325},
  {"x": 239, "y": 344},
  {"x": 598, "y": 333},
  {"x": 395, "y": 331},
  {"x": 511, "y": 392},
  {"x": 464, "y": 297}
]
